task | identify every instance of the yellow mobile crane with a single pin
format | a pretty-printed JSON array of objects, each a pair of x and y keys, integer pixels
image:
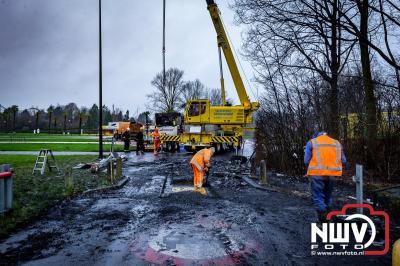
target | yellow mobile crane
[{"x": 218, "y": 126}]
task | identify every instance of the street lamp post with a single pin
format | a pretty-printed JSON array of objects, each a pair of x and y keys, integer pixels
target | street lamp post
[
  {"x": 100, "y": 90},
  {"x": 163, "y": 48}
]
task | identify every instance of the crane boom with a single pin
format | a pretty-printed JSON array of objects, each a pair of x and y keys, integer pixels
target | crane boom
[
  {"x": 221, "y": 126},
  {"x": 223, "y": 42}
]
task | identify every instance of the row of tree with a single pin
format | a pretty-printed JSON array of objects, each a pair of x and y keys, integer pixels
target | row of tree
[
  {"x": 172, "y": 94},
  {"x": 57, "y": 119},
  {"x": 71, "y": 118},
  {"x": 326, "y": 65}
]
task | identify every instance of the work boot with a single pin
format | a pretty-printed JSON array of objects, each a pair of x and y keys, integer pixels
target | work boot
[{"x": 200, "y": 190}]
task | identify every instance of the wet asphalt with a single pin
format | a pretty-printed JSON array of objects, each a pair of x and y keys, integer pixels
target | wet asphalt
[{"x": 156, "y": 219}]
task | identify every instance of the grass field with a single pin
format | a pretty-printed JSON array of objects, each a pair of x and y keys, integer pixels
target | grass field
[
  {"x": 32, "y": 142},
  {"x": 46, "y": 134},
  {"x": 34, "y": 194},
  {"x": 29, "y": 137},
  {"x": 53, "y": 139},
  {"x": 89, "y": 147}
]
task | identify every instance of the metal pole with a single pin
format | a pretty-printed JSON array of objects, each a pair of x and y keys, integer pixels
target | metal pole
[
  {"x": 223, "y": 97},
  {"x": 147, "y": 123},
  {"x": 359, "y": 186},
  {"x": 100, "y": 89},
  {"x": 163, "y": 49}
]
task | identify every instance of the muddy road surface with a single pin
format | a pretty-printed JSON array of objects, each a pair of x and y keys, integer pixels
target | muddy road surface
[{"x": 156, "y": 219}]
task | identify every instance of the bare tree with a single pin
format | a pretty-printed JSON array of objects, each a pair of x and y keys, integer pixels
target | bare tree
[
  {"x": 368, "y": 21},
  {"x": 214, "y": 95},
  {"x": 166, "y": 98},
  {"x": 352, "y": 14},
  {"x": 389, "y": 14},
  {"x": 370, "y": 100},
  {"x": 325, "y": 64},
  {"x": 297, "y": 34},
  {"x": 192, "y": 90}
]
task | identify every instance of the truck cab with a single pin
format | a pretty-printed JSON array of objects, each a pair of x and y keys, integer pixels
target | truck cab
[{"x": 197, "y": 112}]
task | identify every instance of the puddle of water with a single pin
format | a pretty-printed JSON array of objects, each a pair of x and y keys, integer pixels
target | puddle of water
[
  {"x": 131, "y": 170},
  {"x": 182, "y": 188},
  {"x": 191, "y": 243},
  {"x": 151, "y": 186},
  {"x": 192, "y": 246}
]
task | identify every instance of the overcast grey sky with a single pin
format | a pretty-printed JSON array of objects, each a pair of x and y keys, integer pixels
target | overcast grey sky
[{"x": 49, "y": 49}]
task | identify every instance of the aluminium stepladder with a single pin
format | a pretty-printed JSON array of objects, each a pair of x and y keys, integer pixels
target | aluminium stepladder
[{"x": 45, "y": 157}]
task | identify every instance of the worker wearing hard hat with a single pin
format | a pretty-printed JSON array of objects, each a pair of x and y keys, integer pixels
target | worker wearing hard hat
[
  {"x": 126, "y": 136},
  {"x": 156, "y": 141},
  {"x": 325, "y": 159},
  {"x": 200, "y": 165},
  {"x": 140, "y": 142}
]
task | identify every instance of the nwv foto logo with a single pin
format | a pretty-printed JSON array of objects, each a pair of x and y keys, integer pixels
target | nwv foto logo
[{"x": 338, "y": 236}]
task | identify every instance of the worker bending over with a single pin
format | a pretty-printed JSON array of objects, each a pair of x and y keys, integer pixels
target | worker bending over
[
  {"x": 324, "y": 157},
  {"x": 200, "y": 165},
  {"x": 156, "y": 141},
  {"x": 126, "y": 136}
]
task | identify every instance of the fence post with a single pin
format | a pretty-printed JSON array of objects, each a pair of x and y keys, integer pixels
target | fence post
[
  {"x": 253, "y": 168},
  {"x": 263, "y": 173},
  {"x": 110, "y": 170},
  {"x": 69, "y": 181},
  {"x": 119, "y": 168}
]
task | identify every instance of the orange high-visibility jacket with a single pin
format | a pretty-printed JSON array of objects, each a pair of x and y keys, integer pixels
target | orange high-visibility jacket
[
  {"x": 156, "y": 136},
  {"x": 326, "y": 159},
  {"x": 201, "y": 159}
]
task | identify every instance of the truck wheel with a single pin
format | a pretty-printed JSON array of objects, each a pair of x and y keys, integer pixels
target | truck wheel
[
  {"x": 217, "y": 147},
  {"x": 168, "y": 146},
  {"x": 188, "y": 148},
  {"x": 240, "y": 143},
  {"x": 172, "y": 147},
  {"x": 224, "y": 146}
]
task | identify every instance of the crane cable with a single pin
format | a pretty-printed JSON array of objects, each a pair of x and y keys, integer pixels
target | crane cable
[{"x": 238, "y": 58}]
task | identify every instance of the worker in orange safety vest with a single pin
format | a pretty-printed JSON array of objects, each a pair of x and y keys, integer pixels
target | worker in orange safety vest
[
  {"x": 325, "y": 158},
  {"x": 156, "y": 141},
  {"x": 200, "y": 165}
]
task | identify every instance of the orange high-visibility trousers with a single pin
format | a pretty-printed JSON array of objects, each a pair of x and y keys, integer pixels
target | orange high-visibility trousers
[
  {"x": 198, "y": 177},
  {"x": 157, "y": 145},
  {"x": 156, "y": 140}
]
